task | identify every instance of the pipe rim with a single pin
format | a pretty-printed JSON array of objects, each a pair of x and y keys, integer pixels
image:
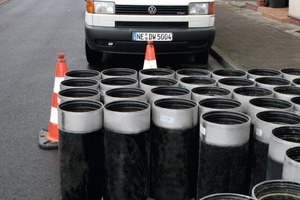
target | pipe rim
[
  {"x": 288, "y": 187},
  {"x": 82, "y": 73},
  {"x": 220, "y": 103},
  {"x": 264, "y": 72},
  {"x": 226, "y": 196},
  {"x": 275, "y": 103},
  {"x": 125, "y": 92}
]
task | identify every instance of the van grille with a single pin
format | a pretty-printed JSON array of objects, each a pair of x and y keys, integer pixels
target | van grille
[
  {"x": 143, "y": 10},
  {"x": 119, "y": 24}
]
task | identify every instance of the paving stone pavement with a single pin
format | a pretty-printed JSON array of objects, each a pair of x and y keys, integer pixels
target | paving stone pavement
[{"x": 245, "y": 39}]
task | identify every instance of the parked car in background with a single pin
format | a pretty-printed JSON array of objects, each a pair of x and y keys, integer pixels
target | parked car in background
[{"x": 125, "y": 26}]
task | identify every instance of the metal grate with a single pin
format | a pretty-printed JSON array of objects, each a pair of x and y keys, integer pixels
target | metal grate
[{"x": 143, "y": 10}]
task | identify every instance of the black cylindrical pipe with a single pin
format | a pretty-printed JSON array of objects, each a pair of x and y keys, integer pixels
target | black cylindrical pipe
[
  {"x": 226, "y": 196},
  {"x": 265, "y": 122},
  {"x": 244, "y": 94},
  {"x": 259, "y": 72},
  {"x": 126, "y": 147},
  {"x": 121, "y": 94},
  {"x": 291, "y": 165},
  {"x": 174, "y": 144},
  {"x": 282, "y": 139},
  {"x": 83, "y": 74},
  {"x": 118, "y": 82},
  {"x": 260, "y": 104},
  {"x": 276, "y": 190},
  {"x": 119, "y": 72},
  {"x": 79, "y": 83},
  {"x": 80, "y": 125},
  {"x": 223, "y": 158},
  {"x": 200, "y": 93},
  {"x": 168, "y": 92},
  {"x": 188, "y": 72},
  {"x": 78, "y": 93},
  {"x": 228, "y": 73}
]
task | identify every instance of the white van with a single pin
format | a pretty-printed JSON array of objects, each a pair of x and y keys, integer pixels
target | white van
[{"x": 125, "y": 26}]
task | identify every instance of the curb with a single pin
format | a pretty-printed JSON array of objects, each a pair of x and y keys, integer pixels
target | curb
[{"x": 224, "y": 60}]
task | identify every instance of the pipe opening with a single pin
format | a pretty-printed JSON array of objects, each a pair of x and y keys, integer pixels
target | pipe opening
[
  {"x": 79, "y": 82},
  {"x": 175, "y": 103},
  {"x": 211, "y": 91},
  {"x": 289, "y": 133},
  {"x": 78, "y": 92},
  {"x": 80, "y": 106},
  {"x": 264, "y": 72},
  {"x": 236, "y": 81},
  {"x": 170, "y": 91},
  {"x": 278, "y": 117},
  {"x": 294, "y": 154},
  {"x": 226, "y": 118},
  {"x": 118, "y": 81},
  {"x": 296, "y": 81},
  {"x": 291, "y": 71},
  {"x": 198, "y": 80},
  {"x": 295, "y": 100},
  {"x": 158, "y": 81},
  {"x": 118, "y": 72},
  {"x": 287, "y": 90},
  {"x": 193, "y": 72},
  {"x": 226, "y": 196},
  {"x": 126, "y": 106},
  {"x": 253, "y": 91},
  {"x": 271, "y": 103},
  {"x": 82, "y": 73},
  {"x": 157, "y": 71},
  {"x": 229, "y": 72},
  {"x": 219, "y": 103},
  {"x": 272, "y": 81},
  {"x": 125, "y": 92},
  {"x": 277, "y": 189}
]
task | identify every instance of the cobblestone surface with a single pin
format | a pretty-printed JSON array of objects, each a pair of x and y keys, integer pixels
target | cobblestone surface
[{"x": 250, "y": 40}]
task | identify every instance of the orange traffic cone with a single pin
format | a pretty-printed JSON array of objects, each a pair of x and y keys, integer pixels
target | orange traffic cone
[
  {"x": 150, "y": 60},
  {"x": 48, "y": 139}
]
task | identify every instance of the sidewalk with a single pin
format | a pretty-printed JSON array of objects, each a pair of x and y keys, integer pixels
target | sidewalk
[{"x": 245, "y": 39}]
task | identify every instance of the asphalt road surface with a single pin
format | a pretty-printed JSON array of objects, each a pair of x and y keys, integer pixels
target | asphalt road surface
[{"x": 32, "y": 33}]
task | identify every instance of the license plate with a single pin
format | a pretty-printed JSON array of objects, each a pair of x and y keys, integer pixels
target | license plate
[{"x": 140, "y": 36}]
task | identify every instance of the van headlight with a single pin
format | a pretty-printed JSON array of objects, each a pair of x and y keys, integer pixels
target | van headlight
[
  {"x": 104, "y": 7},
  {"x": 199, "y": 8}
]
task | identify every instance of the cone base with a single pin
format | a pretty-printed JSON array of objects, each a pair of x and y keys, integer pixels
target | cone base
[{"x": 45, "y": 143}]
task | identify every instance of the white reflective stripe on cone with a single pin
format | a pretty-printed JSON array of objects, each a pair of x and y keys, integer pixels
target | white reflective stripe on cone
[
  {"x": 57, "y": 82},
  {"x": 150, "y": 64},
  {"x": 54, "y": 115}
]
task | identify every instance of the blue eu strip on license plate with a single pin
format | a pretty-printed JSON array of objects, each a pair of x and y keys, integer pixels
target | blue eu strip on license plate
[{"x": 141, "y": 36}]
